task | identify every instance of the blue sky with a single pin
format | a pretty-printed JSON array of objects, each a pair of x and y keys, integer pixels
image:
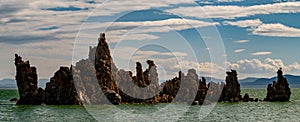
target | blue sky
[{"x": 255, "y": 37}]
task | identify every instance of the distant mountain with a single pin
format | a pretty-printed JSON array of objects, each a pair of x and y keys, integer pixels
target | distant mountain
[
  {"x": 294, "y": 82},
  {"x": 12, "y": 84},
  {"x": 209, "y": 79}
]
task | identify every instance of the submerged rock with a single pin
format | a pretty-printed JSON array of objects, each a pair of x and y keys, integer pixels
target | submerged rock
[
  {"x": 14, "y": 100},
  {"x": 279, "y": 90}
]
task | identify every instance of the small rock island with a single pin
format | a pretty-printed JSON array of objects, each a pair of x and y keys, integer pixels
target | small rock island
[
  {"x": 280, "y": 90},
  {"x": 97, "y": 80}
]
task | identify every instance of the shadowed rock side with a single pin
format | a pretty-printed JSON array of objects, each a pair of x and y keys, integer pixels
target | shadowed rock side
[
  {"x": 61, "y": 89},
  {"x": 279, "y": 90},
  {"x": 231, "y": 91}
]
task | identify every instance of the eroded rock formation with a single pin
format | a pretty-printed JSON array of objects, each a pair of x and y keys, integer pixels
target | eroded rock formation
[
  {"x": 231, "y": 91},
  {"x": 279, "y": 90},
  {"x": 61, "y": 89},
  {"x": 97, "y": 80},
  {"x": 104, "y": 64},
  {"x": 27, "y": 82}
]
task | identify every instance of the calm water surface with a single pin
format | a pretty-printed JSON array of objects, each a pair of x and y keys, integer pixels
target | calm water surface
[{"x": 260, "y": 111}]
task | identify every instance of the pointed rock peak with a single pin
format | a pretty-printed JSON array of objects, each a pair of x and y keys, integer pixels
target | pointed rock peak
[
  {"x": 279, "y": 73},
  {"x": 150, "y": 63}
]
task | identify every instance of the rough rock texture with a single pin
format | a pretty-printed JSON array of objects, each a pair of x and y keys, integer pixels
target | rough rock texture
[
  {"x": 231, "y": 91},
  {"x": 139, "y": 75},
  {"x": 138, "y": 89},
  {"x": 202, "y": 91},
  {"x": 227, "y": 92},
  {"x": 97, "y": 80},
  {"x": 87, "y": 86},
  {"x": 27, "y": 82},
  {"x": 214, "y": 91},
  {"x": 104, "y": 64},
  {"x": 279, "y": 90},
  {"x": 184, "y": 89},
  {"x": 61, "y": 89}
]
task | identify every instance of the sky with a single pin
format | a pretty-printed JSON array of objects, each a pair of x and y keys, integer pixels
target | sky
[{"x": 254, "y": 37}]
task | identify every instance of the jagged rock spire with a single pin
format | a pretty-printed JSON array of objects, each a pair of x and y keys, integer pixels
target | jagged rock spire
[
  {"x": 279, "y": 90},
  {"x": 27, "y": 82}
]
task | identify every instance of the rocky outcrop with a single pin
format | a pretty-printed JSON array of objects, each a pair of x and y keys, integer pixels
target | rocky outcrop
[
  {"x": 279, "y": 90},
  {"x": 231, "y": 91},
  {"x": 141, "y": 88},
  {"x": 27, "y": 82},
  {"x": 104, "y": 64},
  {"x": 97, "y": 80},
  {"x": 61, "y": 89}
]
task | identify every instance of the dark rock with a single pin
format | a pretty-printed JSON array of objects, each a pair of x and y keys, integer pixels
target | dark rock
[
  {"x": 246, "y": 98},
  {"x": 195, "y": 103},
  {"x": 61, "y": 89},
  {"x": 27, "y": 82},
  {"x": 202, "y": 91},
  {"x": 14, "y": 100},
  {"x": 103, "y": 64},
  {"x": 140, "y": 75},
  {"x": 231, "y": 91},
  {"x": 114, "y": 97},
  {"x": 280, "y": 90},
  {"x": 226, "y": 92}
]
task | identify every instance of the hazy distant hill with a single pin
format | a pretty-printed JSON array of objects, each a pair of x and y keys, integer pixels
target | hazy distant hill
[
  {"x": 11, "y": 83},
  {"x": 251, "y": 82},
  {"x": 294, "y": 82}
]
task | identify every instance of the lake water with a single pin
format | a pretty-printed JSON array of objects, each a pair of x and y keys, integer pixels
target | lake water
[{"x": 256, "y": 111}]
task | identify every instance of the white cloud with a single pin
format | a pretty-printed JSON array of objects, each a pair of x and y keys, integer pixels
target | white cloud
[
  {"x": 257, "y": 27},
  {"x": 242, "y": 41},
  {"x": 118, "y": 6},
  {"x": 230, "y": 0},
  {"x": 239, "y": 50},
  {"x": 24, "y": 29},
  {"x": 244, "y": 23},
  {"x": 230, "y": 12},
  {"x": 139, "y": 31},
  {"x": 261, "y": 53},
  {"x": 265, "y": 68},
  {"x": 23, "y": 20},
  {"x": 277, "y": 29},
  {"x": 46, "y": 56}
]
